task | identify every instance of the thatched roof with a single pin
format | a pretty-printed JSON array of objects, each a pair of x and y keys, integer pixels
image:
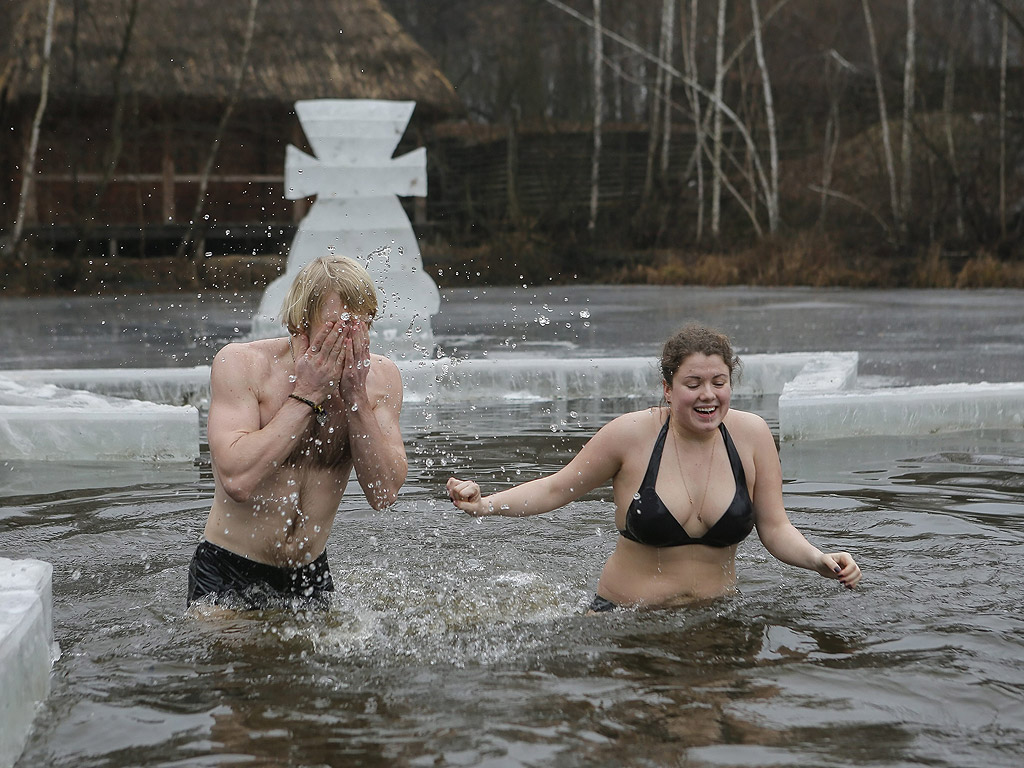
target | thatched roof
[{"x": 190, "y": 49}]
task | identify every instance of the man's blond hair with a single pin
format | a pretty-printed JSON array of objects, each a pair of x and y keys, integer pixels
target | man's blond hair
[{"x": 317, "y": 281}]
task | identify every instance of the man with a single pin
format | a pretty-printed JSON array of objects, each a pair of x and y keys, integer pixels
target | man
[{"x": 290, "y": 419}]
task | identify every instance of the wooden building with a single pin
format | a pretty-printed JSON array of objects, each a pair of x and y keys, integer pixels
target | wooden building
[{"x": 140, "y": 92}]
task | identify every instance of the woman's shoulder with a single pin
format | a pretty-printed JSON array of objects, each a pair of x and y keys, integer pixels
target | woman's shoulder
[
  {"x": 745, "y": 423},
  {"x": 637, "y": 423},
  {"x": 630, "y": 434}
]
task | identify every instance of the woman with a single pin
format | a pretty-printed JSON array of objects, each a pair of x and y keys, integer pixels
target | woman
[{"x": 690, "y": 480}]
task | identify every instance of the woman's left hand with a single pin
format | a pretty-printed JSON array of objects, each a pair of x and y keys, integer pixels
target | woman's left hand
[{"x": 840, "y": 566}]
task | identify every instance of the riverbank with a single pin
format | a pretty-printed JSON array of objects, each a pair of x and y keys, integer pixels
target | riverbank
[{"x": 803, "y": 261}]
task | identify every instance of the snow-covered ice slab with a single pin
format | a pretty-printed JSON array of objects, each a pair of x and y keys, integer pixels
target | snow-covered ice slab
[
  {"x": 903, "y": 411},
  {"x": 818, "y": 399},
  {"x": 171, "y": 386},
  {"x": 455, "y": 380},
  {"x": 514, "y": 378},
  {"x": 26, "y": 649},
  {"x": 44, "y": 422}
]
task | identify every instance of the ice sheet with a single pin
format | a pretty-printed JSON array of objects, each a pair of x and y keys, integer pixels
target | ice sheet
[
  {"x": 26, "y": 649},
  {"x": 44, "y": 422}
]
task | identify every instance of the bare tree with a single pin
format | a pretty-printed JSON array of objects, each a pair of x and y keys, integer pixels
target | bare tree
[
  {"x": 835, "y": 69},
  {"x": 595, "y": 163},
  {"x": 906, "y": 145},
  {"x": 1002, "y": 126},
  {"x": 689, "y": 40},
  {"x": 29, "y": 166},
  {"x": 716, "y": 136},
  {"x": 659, "y": 104},
  {"x": 947, "y": 116},
  {"x": 204, "y": 178},
  {"x": 756, "y": 174},
  {"x": 772, "y": 193},
  {"x": 883, "y": 117},
  {"x": 667, "y": 25},
  {"x": 114, "y": 148}
]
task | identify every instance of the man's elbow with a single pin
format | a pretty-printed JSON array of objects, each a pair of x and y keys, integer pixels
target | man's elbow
[
  {"x": 237, "y": 489},
  {"x": 382, "y": 498},
  {"x": 380, "y": 502},
  {"x": 383, "y": 495}
]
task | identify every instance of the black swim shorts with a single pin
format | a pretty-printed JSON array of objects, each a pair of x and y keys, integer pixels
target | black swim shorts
[
  {"x": 601, "y": 605},
  {"x": 238, "y": 582}
]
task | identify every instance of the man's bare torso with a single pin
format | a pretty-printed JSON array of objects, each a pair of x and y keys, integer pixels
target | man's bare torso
[{"x": 288, "y": 517}]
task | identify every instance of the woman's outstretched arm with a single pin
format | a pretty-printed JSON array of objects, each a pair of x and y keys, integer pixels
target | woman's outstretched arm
[{"x": 596, "y": 463}]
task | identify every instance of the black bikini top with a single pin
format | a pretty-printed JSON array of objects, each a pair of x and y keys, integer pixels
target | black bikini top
[{"x": 649, "y": 522}]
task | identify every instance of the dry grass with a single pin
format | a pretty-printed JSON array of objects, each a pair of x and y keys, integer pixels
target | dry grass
[
  {"x": 812, "y": 259},
  {"x": 49, "y": 275},
  {"x": 985, "y": 271},
  {"x": 805, "y": 259}
]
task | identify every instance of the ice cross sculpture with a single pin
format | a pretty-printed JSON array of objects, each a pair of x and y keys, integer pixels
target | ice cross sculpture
[{"x": 357, "y": 213}]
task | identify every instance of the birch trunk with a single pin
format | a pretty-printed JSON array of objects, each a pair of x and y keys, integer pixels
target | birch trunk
[
  {"x": 29, "y": 164},
  {"x": 772, "y": 193},
  {"x": 716, "y": 139},
  {"x": 883, "y": 118},
  {"x": 689, "y": 40},
  {"x": 668, "y": 23},
  {"x": 909, "y": 88},
  {"x": 656, "y": 107},
  {"x": 720, "y": 107},
  {"x": 595, "y": 162},
  {"x": 837, "y": 64}
]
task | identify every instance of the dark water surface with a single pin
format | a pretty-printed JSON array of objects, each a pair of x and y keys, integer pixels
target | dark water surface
[{"x": 457, "y": 642}]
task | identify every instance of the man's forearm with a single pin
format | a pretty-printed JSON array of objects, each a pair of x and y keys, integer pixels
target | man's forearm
[
  {"x": 253, "y": 456},
  {"x": 381, "y": 466}
]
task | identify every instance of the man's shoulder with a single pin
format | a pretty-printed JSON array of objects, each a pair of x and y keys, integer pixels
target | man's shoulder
[
  {"x": 253, "y": 355},
  {"x": 385, "y": 380},
  {"x": 384, "y": 363}
]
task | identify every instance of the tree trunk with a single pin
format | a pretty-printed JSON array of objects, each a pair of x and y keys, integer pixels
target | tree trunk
[
  {"x": 595, "y": 162},
  {"x": 947, "y": 117},
  {"x": 906, "y": 148},
  {"x": 838, "y": 65},
  {"x": 512, "y": 210},
  {"x": 883, "y": 118},
  {"x": 720, "y": 108},
  {"x": 113, "y": 155},
  {"x": 667, "y": 23},
  {"x": 657, "y": 105},
  {"x": 204, "y": 177},
  {"x": 771, "y": 194},
  {"x": 1002, "y": 128},
  {"x": 29, "y": 164},
  {"x": 689, "y": 40},
  {"x": 716, "y": 139}
]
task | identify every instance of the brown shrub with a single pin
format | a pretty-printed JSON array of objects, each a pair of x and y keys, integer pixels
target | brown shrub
[{"x": 985, "y": 271}]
